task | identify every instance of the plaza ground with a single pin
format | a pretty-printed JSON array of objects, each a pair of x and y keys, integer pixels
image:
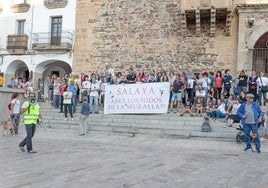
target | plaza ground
[{"x": 99, "y": 160}]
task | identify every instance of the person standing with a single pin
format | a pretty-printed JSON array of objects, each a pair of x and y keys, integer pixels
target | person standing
[
  {"x": 67, "y": 102},
  {"x": 94, "y": 95},
  {"x": 250, "y": 114},
  {"x": 243, "y": 81},
  {"x": 227, "y": 80},
  {"x": 15, "y": 111},
  {"x": 56, "y": 92},
  {"x": 252, "y": 85},
  {"x": 178, "y": 87},
  {"x": 62, "y": 89},
  {"x": 31, "y": 114},
  {"x": 131, "y": 77},
  {"x": 85, "y": 111},
  {"x": 262, "y": 81},
  {"x": 2, "y": 80},
  {"x": 191, "y": 78},
  {"x": 218, "y": 84},
  {"x": 74, "y": 92}
]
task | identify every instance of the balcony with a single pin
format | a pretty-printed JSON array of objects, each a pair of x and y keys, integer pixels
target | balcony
[
  {"x": 53, "y": 41},
  {"x": 20, "y": 8},
  {"x": 17, "y": 44},
  {"x": 53, "y": 4}
]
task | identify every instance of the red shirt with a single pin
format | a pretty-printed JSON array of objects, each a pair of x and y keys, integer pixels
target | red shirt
[{"x": 218, "y": 82}]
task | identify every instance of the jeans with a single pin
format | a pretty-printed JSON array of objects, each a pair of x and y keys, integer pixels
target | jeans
[
  {"x": 30, "y": 130},
  {"x": 69, "y": 109},
  {"x": 56, "y": 101},
  {"x": 262, "y": 96},
  {"x": 74, "y": 103},
  {"x": 254, "y": 129},
  {"x": 16, "y": 121},
  {"x": 61, "y": 103},
  {"x": 218, "y": 93},
  {"x": 227, "y": 88},
  {"x": 83, "y": 124},
  {"x": 242, "y": 88},
  {"x": 217, "y": 114},
  {"x": 96, "y": 103},
  {"x": 190, "y": 92}
]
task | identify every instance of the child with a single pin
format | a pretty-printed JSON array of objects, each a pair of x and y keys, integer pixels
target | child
[
  {"x": 199, "y": 107},
  {"x": 85, "y": 111},
  {"x": 187, "y": 108}
]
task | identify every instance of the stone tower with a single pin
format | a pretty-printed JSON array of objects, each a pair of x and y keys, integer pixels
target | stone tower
[{"x": 159, "y": 34}]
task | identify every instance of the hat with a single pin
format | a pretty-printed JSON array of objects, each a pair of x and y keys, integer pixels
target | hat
[{"x": 249, "y": 95}]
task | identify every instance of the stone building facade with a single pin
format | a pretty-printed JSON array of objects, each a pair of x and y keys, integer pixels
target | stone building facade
[{"x": 169, "y": 34}]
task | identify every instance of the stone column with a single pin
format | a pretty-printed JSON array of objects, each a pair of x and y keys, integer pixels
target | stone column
[
  {"x": 183, "y": 23},
  {"x": 197, "y": 22},
  {"x": 227, "y": 30},
  {"x": 212, "y": 22}
]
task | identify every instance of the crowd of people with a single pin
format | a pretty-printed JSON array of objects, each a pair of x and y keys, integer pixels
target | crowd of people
[
  {"x": 22, "y": 83},
  {"x": 216, "y": 94}
]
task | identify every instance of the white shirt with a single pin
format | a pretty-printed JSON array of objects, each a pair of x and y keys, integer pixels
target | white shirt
[
  {"x": 86, "y": 84},
  {"x": 222, "y": 108},
  {"x": 67, "y": 97},
  {"x": 200, "y": 93},
  {"x": 190, "y": 83},
  {"x": 262, "y": 81},
  {"x": 103, "y": 86},
  {"x": 204, "y": 82},
  {"x": 235, "y": 108},
  {"x": 16, "y": 108},
  {"x": 94, "y": 87}
]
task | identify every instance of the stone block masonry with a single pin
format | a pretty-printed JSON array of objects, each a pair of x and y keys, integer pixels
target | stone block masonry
[{"x": 144, "y": 34}]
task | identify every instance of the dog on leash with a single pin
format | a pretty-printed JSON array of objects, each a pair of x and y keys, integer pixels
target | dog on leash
[{"x": 7, "y": 128}]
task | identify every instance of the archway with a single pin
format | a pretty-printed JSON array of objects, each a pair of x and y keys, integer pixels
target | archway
[
  {"x": 47, "y": 68},
  {"x": 17, "y": 69},
  {"x": 260, "y": 55}
]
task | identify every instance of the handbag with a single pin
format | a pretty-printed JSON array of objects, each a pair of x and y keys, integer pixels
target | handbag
[{"x": 263, "y": 88}]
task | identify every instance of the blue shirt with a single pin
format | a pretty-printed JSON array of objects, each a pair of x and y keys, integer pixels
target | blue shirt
[
  {"x": 85, "y": 108},
  {"x": 72, "y": 89}
]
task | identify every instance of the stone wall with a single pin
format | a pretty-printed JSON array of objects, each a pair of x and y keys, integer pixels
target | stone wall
[{"x": 147, "y": 35}]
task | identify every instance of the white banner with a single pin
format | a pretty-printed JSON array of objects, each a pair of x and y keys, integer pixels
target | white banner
[{"x": 137, "y": 98}]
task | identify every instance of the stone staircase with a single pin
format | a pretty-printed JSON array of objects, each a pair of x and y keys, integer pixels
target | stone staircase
[{"x": 163, "y": 125}]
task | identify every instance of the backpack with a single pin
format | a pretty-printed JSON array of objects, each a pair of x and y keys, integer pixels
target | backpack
[
  {"x": 9, "y": 106},
  {"x": 206, "y": 126}
]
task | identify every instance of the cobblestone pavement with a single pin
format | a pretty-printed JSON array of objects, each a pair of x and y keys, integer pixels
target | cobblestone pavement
[{"x": 65, "y": 159}]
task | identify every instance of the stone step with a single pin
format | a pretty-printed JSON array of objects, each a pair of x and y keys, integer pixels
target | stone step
[{"x": 157, "y": 124}]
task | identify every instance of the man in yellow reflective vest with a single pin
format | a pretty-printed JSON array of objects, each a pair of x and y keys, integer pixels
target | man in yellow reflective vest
[{"x": 31, "y": 116}]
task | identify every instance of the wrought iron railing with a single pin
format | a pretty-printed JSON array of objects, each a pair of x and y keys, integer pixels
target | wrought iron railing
[{"x": 46, "y": 40}]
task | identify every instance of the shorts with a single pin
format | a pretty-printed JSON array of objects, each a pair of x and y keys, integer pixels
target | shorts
[
  {"x": 176, "y": 97},
  {"x": 234, "y": 117}
]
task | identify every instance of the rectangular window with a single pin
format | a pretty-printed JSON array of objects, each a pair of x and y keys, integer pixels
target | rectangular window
[
  {"x": 20, "y": 27},
  {"x": 56, "y": 26}
]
